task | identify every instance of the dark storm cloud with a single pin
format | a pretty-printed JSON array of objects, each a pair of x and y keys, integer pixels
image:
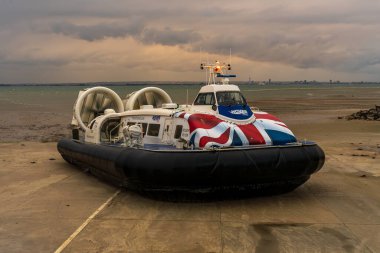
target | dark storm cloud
[
  {"x": 306, "y": 50},
  {"x": 270, "y": 47},
  {"x": 167, "y": 36},
  {"x": 98, "y": 31},
  {"x": 365, "y": 13}
]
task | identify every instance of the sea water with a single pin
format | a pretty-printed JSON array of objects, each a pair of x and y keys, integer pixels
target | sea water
[{"x": 62, "y": 97}]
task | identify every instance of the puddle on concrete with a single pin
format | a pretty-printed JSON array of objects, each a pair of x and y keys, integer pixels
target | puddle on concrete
[{"x": 292, "y": 237}]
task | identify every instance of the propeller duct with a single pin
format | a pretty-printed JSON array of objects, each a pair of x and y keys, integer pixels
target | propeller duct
[{"x": 93, "y": 102}]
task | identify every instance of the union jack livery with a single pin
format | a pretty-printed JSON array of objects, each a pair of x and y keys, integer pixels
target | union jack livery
[{"x": 208, "y": 131}]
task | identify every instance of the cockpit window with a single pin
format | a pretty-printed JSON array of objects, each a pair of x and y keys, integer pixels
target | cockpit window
[
  {"x": 230, "y": 98},
  {"x": 205, "y": 99}
]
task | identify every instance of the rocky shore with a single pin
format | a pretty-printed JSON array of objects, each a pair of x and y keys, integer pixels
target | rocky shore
[{"x": 371, "y": 114}]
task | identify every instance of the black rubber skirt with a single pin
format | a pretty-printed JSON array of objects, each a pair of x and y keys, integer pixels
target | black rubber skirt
[{"x": 277, "y": 168}]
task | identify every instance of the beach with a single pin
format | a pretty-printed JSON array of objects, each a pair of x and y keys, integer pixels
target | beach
[{"x": 45, "y": 200}]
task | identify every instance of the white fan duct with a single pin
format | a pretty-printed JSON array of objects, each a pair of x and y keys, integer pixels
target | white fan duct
[
  {"x": 93, "y": 102},
  {"x": 147, "y": 96}
]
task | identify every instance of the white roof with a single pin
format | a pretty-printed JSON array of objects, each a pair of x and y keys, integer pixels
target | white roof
[
  {"x": 219, "y": 87},
  {"x": 147, "y": 112}
]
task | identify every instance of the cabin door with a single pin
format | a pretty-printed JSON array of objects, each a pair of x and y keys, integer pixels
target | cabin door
[{"x": 167, "y": 136}]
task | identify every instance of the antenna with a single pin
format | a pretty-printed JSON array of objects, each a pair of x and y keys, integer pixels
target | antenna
[
  {"x": 187, "y": 97},
  {"x": 200, "y": 54},
  {"x": 230, "y": 56}
]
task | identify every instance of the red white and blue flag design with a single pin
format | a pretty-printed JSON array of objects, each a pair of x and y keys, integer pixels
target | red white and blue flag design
[{"x": 207, "y": 130}]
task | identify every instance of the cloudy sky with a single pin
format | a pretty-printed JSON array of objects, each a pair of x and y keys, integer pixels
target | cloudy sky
[{"x": 121, "y": 40}]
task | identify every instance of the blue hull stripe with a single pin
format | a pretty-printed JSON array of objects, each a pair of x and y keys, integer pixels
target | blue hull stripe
[
  {"x": 280, "y": 138},
  {"x": 236, "y": 141}
]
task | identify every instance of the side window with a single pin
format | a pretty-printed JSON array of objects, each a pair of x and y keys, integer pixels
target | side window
[
  {"x": 210, "y": 99},
  {"x": 178, "y": 131},
  {"x": 205, "y": 99},
  {"x": 200, "y": 100},
  {"x": 153, "y": 129}
]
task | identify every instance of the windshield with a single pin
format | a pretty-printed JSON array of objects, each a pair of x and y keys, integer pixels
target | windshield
[{"x": 230, "y": 98}]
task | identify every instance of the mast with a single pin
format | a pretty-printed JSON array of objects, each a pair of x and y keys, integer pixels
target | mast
[{"x": 216, "y": 70}]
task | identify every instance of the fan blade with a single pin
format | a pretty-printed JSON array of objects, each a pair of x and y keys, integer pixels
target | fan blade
[
  {"x": 142, "y": 100},
  {"x": 150, "y": 99},
  {"x": 86, "y": 111},
  {"x": 107, "y": 103},
  {"x": 96, "y": 106}
]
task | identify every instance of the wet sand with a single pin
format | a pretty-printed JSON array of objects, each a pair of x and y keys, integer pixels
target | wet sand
[{"x": 44, "y": 199}]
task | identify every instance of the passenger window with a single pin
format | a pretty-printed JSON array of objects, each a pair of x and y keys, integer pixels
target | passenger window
[
  {"x": 153, "y": 129},
  {"x": 178, "y": 131}
]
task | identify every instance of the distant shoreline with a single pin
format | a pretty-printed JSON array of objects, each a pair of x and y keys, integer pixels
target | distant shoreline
[
  {"x": 103, "y": 83},
  {"x": 158, "y": 83}
]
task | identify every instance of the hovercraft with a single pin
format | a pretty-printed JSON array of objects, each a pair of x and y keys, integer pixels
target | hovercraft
[{"x": 148, "y": 143}]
